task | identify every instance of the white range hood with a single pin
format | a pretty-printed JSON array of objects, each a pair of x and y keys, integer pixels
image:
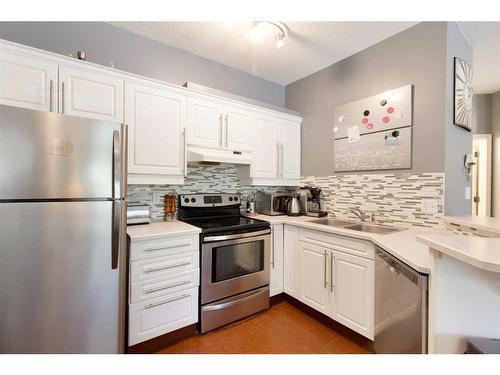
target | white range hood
[{"x": 217, "y": 156}]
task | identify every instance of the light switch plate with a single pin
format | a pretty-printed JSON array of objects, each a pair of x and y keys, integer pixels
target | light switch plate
[
  {"x": 468, "y": 193},
  {"x": 429, "y": 206}
]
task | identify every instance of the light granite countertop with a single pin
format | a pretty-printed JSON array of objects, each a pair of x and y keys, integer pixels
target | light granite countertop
[
  {"x": 403, "y": 244},
  {"x": 483, "y": 253},
  {"x": 488, "y": 224},
  {"x": 162, "y": 229}
]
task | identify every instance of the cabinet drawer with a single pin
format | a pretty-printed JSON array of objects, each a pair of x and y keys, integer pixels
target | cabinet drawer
[
  {"x": 158, "y": 316},
  {"x": 144, "y": 290},
  {"x": 161, "y": 247},
  {"x": 341, "y": 243},
  {"x": 149, "y": 269}
]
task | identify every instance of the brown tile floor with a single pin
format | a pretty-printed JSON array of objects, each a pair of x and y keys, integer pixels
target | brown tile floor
[{"x": 283, "y": 329}]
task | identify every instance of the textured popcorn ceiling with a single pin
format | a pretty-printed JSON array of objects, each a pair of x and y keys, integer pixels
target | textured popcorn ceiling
[
  {"x": 311, "y": 46},
  {"x": 484, "y": 37}
]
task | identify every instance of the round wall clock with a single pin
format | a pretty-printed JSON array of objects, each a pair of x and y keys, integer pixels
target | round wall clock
[{"x": 463, "y": 94}]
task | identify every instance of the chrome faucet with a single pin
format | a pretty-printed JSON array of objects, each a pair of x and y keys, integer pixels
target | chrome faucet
[{"x": 363, "y": 216}]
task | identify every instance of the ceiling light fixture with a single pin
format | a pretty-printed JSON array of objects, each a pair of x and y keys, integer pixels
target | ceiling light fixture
[
  {"x": 280, "y": 35},
  {"x": 255, "y": 31}
]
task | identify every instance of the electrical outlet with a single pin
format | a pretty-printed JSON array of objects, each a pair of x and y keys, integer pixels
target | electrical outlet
[
  {"x": 158, "y": 197},
  {"x": 429, "y": 206}
]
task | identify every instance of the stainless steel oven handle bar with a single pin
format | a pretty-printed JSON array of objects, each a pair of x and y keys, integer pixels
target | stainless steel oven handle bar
[{"x": 236, "y": 236}]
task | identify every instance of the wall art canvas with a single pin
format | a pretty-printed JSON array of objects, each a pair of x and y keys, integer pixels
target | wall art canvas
[
  {"x": 462, "y": 114},
  {"x": 374, "y": 133}
]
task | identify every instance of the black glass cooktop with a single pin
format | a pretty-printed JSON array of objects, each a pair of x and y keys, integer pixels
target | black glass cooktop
[{"x": 219, "y": 224}]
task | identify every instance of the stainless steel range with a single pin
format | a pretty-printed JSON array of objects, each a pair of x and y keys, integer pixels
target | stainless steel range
[{"x": 235, "y": 256}]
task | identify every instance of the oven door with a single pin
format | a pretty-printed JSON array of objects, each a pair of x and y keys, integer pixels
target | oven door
[{"x": 233, "y": 264}]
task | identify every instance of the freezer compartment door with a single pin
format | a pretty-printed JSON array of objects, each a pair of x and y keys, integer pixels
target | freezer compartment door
[
  {"x": 59, "y": 290},
  {"x": 47, "y": 155}
]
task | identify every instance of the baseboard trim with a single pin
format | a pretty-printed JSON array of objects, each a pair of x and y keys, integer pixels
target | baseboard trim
[
  {"x": 163, "y": 341},
  {"x": 329, "y": 322},
  {"x": 276, "y": 299}
]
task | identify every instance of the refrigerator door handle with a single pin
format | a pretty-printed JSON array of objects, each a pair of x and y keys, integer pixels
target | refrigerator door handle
[
  {"x": 124, "y": 170},
  {"x": 117, "y": 161},
  {"x": 115, "y": 234}
]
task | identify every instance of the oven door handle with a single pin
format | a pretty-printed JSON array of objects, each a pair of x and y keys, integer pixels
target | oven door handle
[{"x": 236, "y": 236}]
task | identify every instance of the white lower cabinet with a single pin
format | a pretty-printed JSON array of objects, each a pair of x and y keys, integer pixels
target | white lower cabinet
[
  {"x": 354, "y": 292},
  {"x": 161, "y": 315},
  {"x": 276, "y": 274},
  {"x": 291, "y": 260},
  {"x": 314, "y": 289},
  {"x": 164, "y": 280},
  {"x": 322, "y": 272}
]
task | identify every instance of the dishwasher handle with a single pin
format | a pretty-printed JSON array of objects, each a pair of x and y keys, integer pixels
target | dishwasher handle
[{"x": 401, "y": 269}]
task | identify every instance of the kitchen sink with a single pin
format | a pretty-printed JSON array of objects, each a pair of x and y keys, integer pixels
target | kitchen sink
[
  {"x": 332, "y": 222},
  {"x": 372, "y": 228},
  {"x": 360, "y": 227}
]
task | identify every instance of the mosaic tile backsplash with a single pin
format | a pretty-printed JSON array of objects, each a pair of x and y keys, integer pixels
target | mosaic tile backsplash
[
  {"x": 392, "y": 198},
  {"x": 200, "y": 179}
]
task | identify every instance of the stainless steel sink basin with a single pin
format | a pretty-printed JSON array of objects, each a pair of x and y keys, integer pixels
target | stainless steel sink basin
[
  {"x": 372, "y": 228},
  {"x": 360, "y": 227},
  {"x": 332, "y": 222}
]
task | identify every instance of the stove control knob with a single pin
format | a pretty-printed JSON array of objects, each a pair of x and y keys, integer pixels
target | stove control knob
[
  {"x": 230, "y": 199},
  {"x": 193, "y": 200},
  {"x": 186, "y": 200},
  {"x": 236, "y": 199}
]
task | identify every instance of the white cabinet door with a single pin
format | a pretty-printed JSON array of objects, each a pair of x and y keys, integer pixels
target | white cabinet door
[
  {"x": 313, "y": 272},
  {"x": 204, "y": 123},
  {"x": 266, "y": 147},
  {"x": 28, "y": 82},
  {"x": 89, "y": 93},
  {"x": 236, "y": 129},
  {"x": 276, "y": 277},
  {"x": 156, "y": 117},
  {"x": 353, "y": 280},
  {"x": 291, "y": 260},
  {"x": 290, "y": 150}
]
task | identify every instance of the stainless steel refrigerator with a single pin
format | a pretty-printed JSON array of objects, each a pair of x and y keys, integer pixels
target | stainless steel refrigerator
[{"x": 62, "y": 233}]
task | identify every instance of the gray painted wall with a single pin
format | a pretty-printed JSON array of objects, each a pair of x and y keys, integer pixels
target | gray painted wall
[
  {"x": 495, "y": 192},
  {"x": 481, "y": 114},
  {"x": 415, "y": 56},
  {"x": 136, "y": 54},
  {"x": 458, "y": 141}
]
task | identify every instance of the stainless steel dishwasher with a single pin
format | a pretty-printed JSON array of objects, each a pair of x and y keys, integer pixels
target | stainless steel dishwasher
[{"x": 400, "y": 306}]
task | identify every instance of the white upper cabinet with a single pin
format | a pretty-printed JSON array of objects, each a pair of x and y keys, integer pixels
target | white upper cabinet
[
  {"x": 215, "y": 124},
  {"x": 204, "y": 123},
  {"x": 88, "y": 93},
  {"x": 290, "y": 150},
  {"x": 276, "y": 151},
  {"x": 156, "y": 118},
  {"x": 168, "y": 125},
  {"x": 266, "y": 148},
  {"x": 237, "y": 128},
  {"x": 28, "y": 82},
  {"x": 354, "y": 292}
]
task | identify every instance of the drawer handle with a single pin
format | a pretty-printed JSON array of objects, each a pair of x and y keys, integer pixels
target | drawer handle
[
  {"x": 151, "y": 305},
  {"x": 152, "y": 290},
  {"x": 154, "y": 269},
  {"x": 156, "y": 248}
]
